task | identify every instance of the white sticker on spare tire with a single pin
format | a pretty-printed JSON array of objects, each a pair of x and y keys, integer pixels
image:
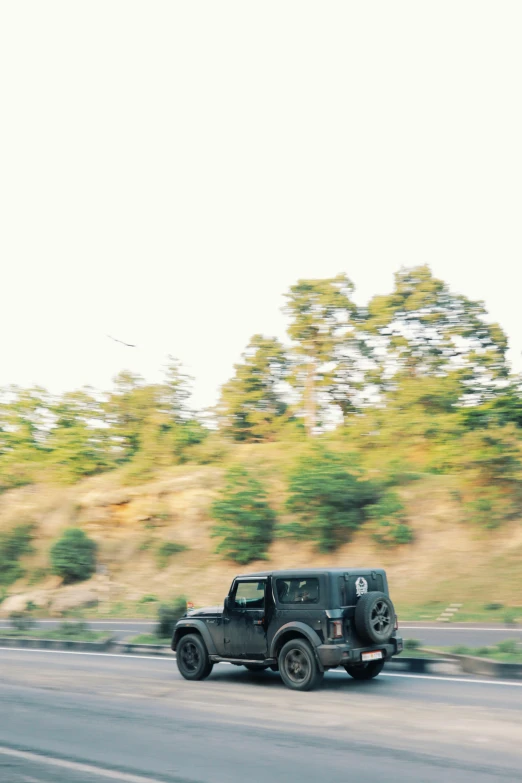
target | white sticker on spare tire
[{"x": 361, "y": 586}]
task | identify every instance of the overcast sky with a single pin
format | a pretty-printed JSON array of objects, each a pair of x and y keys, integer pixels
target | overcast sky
[{"x": 168, "y": 170}]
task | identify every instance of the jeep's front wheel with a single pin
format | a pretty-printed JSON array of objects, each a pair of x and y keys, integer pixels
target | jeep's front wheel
[
  {"x": 192, "y": 658},
  {"x": 365, "y": 671},
  {"x": 298, "y": 667}
]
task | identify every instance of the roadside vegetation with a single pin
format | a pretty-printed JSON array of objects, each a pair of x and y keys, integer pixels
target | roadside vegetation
[
  {"x": 23, "y": 626},
  {"x": 312, "y": 440}
]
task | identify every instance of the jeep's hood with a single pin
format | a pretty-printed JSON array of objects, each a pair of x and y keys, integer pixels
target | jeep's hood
[{"x": 205, "y": 611}]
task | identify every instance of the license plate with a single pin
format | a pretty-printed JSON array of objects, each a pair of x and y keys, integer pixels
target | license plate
[{"x": 371, "y": 656}]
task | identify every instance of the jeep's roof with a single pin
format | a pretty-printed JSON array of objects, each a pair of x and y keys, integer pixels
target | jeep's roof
[{"x": 308, "y": 572}]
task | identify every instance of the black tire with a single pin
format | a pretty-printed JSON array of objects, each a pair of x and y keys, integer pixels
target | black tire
[
  {"x": 298, "y": 667},
  {"x": 192, "y": 658},
  {"x": 365, "y": 671},
  {"x": 375, "y": 617}
]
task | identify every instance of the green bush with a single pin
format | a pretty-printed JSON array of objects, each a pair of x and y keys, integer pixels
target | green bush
[
  {"x": 166, "y": 549},
  {"x": 493, "y": 607},
  {"x": 461, "y": 649},
  {"x": 73, "y": 556},
  {"x": 68, "y": 630},
  {"x": 148, "y": 599},
  {"x": 329, "y": 498},
  {"x": 510, "y": 617},
  {"x": 390, "y": 526},
  {"x": 244, "y": 518},
  {"x": 169, "y": 614},
  {"x": 21, "y": 621},
  {"x": 412, "y": 644},
  {"x": 508, "y": 646},
  {"x": 14, "y": 544}
]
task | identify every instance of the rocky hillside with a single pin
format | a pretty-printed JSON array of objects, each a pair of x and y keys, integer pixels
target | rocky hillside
[{"x": 449, "y": 561}]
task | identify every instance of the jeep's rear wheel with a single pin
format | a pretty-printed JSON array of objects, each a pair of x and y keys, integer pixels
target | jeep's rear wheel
[
  {"x": 298, "y": 667},
  {"x": 375, "y": 617},
  {"x": 192, "y": 658},
  {"x": 365, "y": 671}
]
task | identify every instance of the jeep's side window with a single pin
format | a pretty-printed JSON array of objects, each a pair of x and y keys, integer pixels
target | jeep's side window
[
  {"x": 250, "y": 595},
  {"x": 298, "y": 591}
]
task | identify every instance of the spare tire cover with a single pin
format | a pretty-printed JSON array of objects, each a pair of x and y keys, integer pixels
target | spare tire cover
[{"x": 375, "y": 617}]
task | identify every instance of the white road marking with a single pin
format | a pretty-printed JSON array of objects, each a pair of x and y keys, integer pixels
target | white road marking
[
  {"x": 445, "y": 679},
  {"x": 170, "y": 658},
  {"x": 76, "y": 766},
  {"x": 81, "y": 652},
  {"x": 457, "y": 628}
]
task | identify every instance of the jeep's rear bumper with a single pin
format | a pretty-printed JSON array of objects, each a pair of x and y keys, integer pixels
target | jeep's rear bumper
[{"x": 332, "y": 655}]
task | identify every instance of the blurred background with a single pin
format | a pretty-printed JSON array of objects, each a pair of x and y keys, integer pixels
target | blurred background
[{"x": 260, "y": 276}]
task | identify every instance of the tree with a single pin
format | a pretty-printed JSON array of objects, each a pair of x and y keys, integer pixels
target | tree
[
  {"x": 390, "y": 526},
  {"x": 489, "y": 462},
  {"x": 326, "y": 346},
  {"x": 73, "y": 556},
  {"x": 430, "y": 331},
  {"x": 244, "y": 518},
  {"x": 252, "y": 407},
  {"x": 23, "y": 418},
  {"x": 13, "y": 545},
  {"x": 77, "y": 444},
  {"x": 329, "y": 496}
]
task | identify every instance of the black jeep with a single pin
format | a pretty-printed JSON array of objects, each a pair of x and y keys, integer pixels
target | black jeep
[{"x": 300, "y": 623}]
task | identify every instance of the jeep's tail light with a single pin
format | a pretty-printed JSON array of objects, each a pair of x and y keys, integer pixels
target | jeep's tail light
[
  {"x": 336, "y": 628},
  {"x": 396, "y": 623}
]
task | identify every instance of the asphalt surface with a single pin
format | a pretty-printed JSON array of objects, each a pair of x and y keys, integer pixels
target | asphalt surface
[
  {"x": 430, "y": 634},
  {"x": 79, "y": 718}
]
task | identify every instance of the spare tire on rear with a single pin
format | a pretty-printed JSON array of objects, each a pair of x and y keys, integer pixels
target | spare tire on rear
[{"x": 374, "y": 617}]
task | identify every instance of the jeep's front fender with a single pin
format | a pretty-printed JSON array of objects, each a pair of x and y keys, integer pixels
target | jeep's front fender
[
  {"x": 198, "y": 626},
  {"x": 303, "y": 630}
]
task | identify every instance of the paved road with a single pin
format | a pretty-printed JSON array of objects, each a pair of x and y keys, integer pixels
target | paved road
[
  {"x": 78, "y": 718},
  {"x": 434, "y": 634}
]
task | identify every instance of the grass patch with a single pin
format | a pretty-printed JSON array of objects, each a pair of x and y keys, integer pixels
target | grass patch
[
  {"x": 150, "y": 638},
  {"x": 59, "y": 634},
  {"x": 165, "y": 551},
  {"x": 509, "y": 651}
]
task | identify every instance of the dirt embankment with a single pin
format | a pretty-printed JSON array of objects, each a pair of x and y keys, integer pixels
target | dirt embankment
[{"x": 449, "y": 561}]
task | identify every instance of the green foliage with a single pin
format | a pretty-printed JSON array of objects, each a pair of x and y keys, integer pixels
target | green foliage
[
  {"x": 76, "y": 446},
  {"x": 148, "y": 599},
  {"x": 330, "y": 357},
  {"x": 13, "y": 545},
  {"x": 461, "y": 649},
  {"x": 21, "y": 621},
  {"x": 166, "y": 549},
  {"x": 493, "y": 607},
  {"x": 490, "y": 465},
  {"x": 244, "y": 518},
  {"x": 252, "y": 406},
  {"x": 412, "y": 644},
  {"x": 328, "y": 496},
  {"x": 169, "y": 614},
  {"x": 73, "y": 556},
  {"x": 510, "y": 617},
  {"x": 390, "y": 526},
  {"x": 508, "y": 646},
  {"x": 430, "y": 331}
]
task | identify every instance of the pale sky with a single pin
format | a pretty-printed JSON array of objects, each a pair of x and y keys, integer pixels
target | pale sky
[{"x": 168, "y": 170}]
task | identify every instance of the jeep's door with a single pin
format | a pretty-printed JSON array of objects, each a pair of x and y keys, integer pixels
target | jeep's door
[{"x": 245, "y": 621}]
